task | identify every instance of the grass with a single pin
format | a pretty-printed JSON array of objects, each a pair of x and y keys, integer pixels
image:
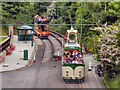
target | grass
[
  {"x": 3, "y": 33},
  {"x": 2, "y": 39},
  {"x": 114, "y": 82}
]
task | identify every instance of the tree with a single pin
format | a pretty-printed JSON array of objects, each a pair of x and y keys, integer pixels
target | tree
[{"x": 108, "y": 48}]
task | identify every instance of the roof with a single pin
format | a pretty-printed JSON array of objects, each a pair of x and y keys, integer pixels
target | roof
[
  {"x": 72, "y": 45},
  {"x": 71, "y": 30},
  {"x": 25, "y": 27}
]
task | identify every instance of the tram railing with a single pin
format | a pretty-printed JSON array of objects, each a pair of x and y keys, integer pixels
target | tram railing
[{"x": 4, "y": 44}]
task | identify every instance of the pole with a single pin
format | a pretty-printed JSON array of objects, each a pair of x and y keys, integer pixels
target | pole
[
  {"x": 81, "y": 20},
  {"x": 58, "y": 54},
  {"x": 57, "y": 10},
  {"x": 94, "y": 45}
]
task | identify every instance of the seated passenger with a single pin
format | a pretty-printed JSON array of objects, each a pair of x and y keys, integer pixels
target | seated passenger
[
  {"x": 39, "y": 20},
  {"x": 67, "y": 52},
  {"x": 70, "y": 60},
  {"x": 74, "y": 61},
  {"x": 75, "y": 53},
  {"x": 35, "y": 18},
  {"x": 79, "y": 55},
  {"x": 66, "y": 61},
  {"x": 80, "y": 61}
]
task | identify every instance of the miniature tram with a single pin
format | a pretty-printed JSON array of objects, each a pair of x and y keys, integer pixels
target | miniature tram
[
  {"x": 73, "y": 66},
  {"x": 41, "y": 26}
]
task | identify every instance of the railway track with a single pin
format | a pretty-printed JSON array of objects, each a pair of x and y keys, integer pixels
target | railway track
[
  {"x": 55, "y": 40},
  {"x": 52, "y": 44},
  {"x": 46, "y": 71}
]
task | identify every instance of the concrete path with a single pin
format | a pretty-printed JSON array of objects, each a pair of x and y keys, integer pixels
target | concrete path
[{"x": 15, "y": 60}]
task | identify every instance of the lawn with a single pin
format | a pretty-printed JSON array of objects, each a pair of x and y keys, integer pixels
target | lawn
[
  {"x": 2, "y": 39},
  {"x": 115, "y": 82}
]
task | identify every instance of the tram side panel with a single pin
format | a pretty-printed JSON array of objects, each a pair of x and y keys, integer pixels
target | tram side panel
[{"x": 78, "y": 73}]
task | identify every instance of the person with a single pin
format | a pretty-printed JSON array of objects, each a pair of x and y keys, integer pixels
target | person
[
  {"x": 39, "y": 20},
  {"x": 65, "y": 61},
  {"x": 43, "y": 16},
  {"x": 70, "y": 60},
  {"x": 80, "y": 55},
  {"x": 80, "y": 61},
  {"x": 36, "y": 18},
  {"x": 67, "y": 53},
  {"x": 74, "y": 61},
  {"x": 75, "y": 53}
]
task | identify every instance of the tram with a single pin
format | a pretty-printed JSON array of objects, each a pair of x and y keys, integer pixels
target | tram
[
  {"x": 41, "y": 26},
  {"x": 73, "y": 66}
]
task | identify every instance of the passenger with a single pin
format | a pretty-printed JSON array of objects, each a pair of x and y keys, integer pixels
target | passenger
[
  {"x": 80, "y": 61},
  {"x": 43, "y": 16},
  {"x": 70, "y": 60},
  {"x": 75, "y": 62},
  {"x": 79, "y": 55},
  {"x": 68, "y": 53},
  {"x": 66, "y": 61},
  {"x": 75, "y": 53},
  {"x": 65, "y": 52},
  {"x": 39, "y": 20},
  {"x": 76, "y": 57},
  {"x": 36, "y": 17}
]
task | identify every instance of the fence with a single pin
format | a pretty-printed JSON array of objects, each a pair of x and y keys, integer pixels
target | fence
[{"x": 4, "y": 44}]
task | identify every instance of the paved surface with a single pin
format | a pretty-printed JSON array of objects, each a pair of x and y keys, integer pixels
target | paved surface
[
  {"x": 15, "y": 60},
  {"x": 48, "y": 75},
  {"x": 45, "y": 75}
]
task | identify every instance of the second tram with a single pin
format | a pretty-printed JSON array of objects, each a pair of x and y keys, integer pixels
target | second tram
[{"x": 41, "y": 26}]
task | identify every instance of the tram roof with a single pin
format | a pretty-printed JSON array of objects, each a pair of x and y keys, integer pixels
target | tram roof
[
  {"x": 71, "y": 30},
  {"x": 72, "y": 45}
]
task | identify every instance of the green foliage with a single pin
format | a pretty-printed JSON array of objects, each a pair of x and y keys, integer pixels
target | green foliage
[
  {"x": 21, "y": 12},
  {"x": 2, "y": 39},
  {"x": 114, "y": 82}
]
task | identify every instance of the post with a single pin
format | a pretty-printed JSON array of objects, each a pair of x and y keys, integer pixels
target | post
[
  {"x": 32, "y": 33},
  {"x": 58, "y": 54},
  {"x": 25, "y": 36},
  {"x": 34, "y": 58},
  {"x": 32, "y": 41},
  {"x": 81, "y": 22},
  {"x": 94, "y": 45},
  {"x": 57, "y": 10}
]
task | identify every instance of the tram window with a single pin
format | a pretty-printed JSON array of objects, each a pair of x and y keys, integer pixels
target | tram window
[
  {"x": 67, "y": 72},
  {"x": 79, "y": 73},
  {"x": 42, "y": 27}
]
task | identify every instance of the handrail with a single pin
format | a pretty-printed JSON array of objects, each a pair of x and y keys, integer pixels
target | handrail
[{"x": 4, "y": 44}]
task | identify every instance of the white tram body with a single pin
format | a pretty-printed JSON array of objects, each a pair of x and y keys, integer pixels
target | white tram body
[{"x": 73, "y": 67}]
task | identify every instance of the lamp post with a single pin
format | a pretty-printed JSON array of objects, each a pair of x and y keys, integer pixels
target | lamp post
[
  {"x": 81, "y": 25},
  {"x": 32, "y": 33}
]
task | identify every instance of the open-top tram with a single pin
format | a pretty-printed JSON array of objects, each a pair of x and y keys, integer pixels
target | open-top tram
[
  {"x": 73, "y": 66},
  {"x": 41, "y": 26}
]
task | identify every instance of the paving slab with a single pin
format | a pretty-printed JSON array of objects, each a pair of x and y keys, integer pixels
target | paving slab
[{"x": 15, "y": 60}]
